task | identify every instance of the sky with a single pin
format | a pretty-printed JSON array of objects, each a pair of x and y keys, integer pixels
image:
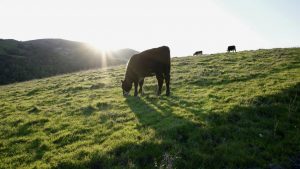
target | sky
[{"x": 185, "y": 26}]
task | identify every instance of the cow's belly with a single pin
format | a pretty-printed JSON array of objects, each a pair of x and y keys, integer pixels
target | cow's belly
[
  {"x": 146, "y": 73},
  {"x": 149, "y": 74}
]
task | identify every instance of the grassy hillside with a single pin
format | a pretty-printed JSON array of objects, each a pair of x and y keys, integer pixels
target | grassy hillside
[
  {"x": 21, "y": 61},
  {"x": 237, "y": 110}
]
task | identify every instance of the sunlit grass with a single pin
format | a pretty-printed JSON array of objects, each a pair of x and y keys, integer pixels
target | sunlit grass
[{"x": 235, "y": 110}]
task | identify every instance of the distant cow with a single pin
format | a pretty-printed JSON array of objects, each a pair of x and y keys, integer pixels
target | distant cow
[
  {"x": 151, "y": 62},
  {"x": 198, "y": 53},
  {"x": 231, "y": 48}
]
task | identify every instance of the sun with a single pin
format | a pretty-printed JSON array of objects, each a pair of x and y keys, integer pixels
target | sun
[
  {"x": 103, "y": 45},
  {"x": 103, "y": 50}
]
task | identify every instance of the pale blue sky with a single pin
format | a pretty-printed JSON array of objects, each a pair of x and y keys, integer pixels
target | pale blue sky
[
  {"x": 184, "y": 25},
  {"x": 276, "y": 20}
]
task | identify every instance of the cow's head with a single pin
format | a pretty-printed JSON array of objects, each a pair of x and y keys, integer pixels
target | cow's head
[{"x": 126, "y": 86}]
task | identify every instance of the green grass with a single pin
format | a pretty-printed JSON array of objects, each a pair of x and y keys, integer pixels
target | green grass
[{"x": 237, "y": 110}]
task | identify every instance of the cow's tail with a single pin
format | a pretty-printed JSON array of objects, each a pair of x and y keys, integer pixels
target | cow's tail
[
  {"x": 168, "y": 67},
  {"x": 167, "y": 73}
]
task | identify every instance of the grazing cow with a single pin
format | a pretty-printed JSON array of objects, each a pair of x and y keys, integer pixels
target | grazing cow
[
  {"x": 156, "y": 61},
  {"x": 198, "y": 53},
  {"x": 231, "y": 48}
]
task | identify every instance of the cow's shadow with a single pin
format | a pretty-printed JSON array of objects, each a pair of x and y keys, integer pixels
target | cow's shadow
[{"x": 171, "y": 133}]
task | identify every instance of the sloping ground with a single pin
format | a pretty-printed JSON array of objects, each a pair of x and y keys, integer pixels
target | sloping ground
[{"x": 238, "y": 110}]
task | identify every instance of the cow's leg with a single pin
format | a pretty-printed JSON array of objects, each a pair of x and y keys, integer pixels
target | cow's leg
[
  {"x": 141, "y": 83},
  {"x": 160, "y": 80},
  {"x": 135, "y": 88},
  {"x": 167, "y": 78}
]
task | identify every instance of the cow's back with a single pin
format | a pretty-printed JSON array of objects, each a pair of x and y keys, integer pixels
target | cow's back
[
  {"x": 231, "y": 48},
  {"x": 146, "y": 63}
]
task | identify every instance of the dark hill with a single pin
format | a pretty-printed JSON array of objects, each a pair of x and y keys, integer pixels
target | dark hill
[{"x": 20, "y": 61}]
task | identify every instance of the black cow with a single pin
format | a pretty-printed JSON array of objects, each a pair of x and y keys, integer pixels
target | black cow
[
  {"x": 231, "y": 48},
  {"x": 156, "y": 61},
  {"x": 198, "y": 53}
]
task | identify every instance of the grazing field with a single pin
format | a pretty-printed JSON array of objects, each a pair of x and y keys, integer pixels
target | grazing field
[{"x": 230, "y": 110}]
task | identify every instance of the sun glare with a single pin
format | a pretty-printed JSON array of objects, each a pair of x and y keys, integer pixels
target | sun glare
[
  {"x": 104, "y": 50},
  {"x": 103, "y": 45}
]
